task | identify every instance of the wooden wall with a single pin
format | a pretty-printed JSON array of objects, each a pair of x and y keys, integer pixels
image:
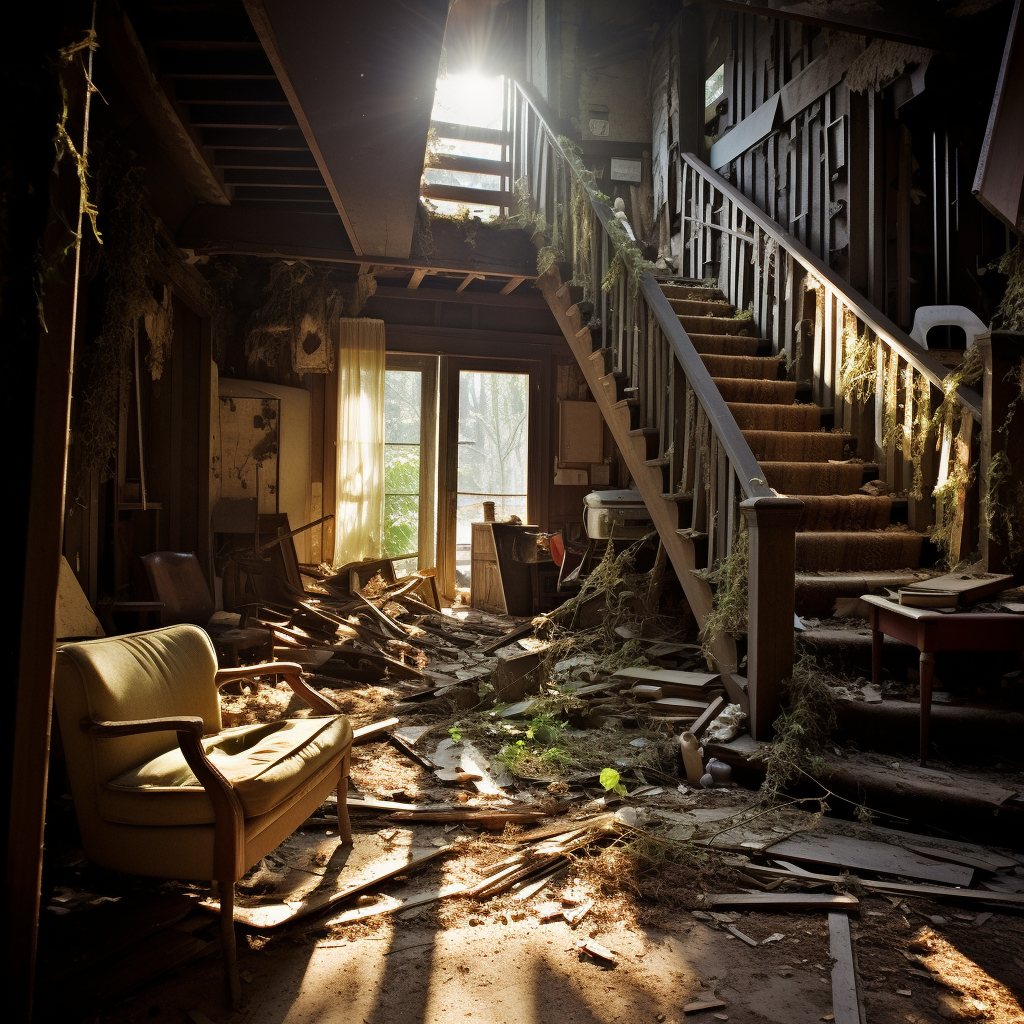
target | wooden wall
[{"x": 877, "y": 183}]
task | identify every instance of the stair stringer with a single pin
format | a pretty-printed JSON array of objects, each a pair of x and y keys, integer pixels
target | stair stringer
[{"x": 647, "y": 479}]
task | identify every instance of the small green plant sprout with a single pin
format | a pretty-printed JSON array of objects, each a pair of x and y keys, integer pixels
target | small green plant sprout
[
  {"x": 611, "y": 781},
  {"x": 456, "y": 736}
]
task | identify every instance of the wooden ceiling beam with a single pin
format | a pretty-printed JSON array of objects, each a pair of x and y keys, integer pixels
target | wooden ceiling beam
[
  {"x": 417, "y": 278},
  {"x": 916, "y": 22},
  {"x": 467, "y": 281},
  {"x": 512, "y": 285},
  {"x": 169, "y": 122},
  {"x": 260, "y": 230},
  {"x": 360, "y": 80}
]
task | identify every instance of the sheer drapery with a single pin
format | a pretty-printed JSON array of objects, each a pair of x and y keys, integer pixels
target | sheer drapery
[{"x": 358, "y": 529}]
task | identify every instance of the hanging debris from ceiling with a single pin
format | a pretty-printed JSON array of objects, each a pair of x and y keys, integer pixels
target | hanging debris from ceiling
[{"x": 303, "y": 301}]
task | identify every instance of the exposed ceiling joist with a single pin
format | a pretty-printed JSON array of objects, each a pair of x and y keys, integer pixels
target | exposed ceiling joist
[
  {"x": 917, "y": 22},
  {"x": 171, "y": 126},
  {"x": 360, "y": 80}
]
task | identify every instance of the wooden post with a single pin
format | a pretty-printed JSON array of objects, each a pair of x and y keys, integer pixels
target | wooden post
[
  {"x": 771, "y": 524},
  {"x": 1001, "y": 352}
]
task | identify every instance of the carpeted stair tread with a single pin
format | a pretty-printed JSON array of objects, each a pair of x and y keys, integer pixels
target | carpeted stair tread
[
  {"x": 817, "y": 591},
  {"x": 758, "y": 391},
  {"x": 813, "y": 477},
  {"x": 794, "y": 445},
  {"x": 765, "y": 416},
  {"x": 719, "y": 325},
  {"x": 700, "y": 292},
  {"x": 762, "y": 367},
  {"x": 725, "y": 344},
  {"x": 828, "y": 513},
  {"x": 867, "y": 550},
  {"x": 701, "y": 307}
]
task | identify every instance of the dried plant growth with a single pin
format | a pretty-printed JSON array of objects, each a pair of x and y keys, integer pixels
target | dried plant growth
[
  {"x": 730, "y": 578},
  {"x": 801, "y": 731}
]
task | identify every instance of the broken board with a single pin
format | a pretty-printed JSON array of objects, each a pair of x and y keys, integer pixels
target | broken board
[
  {"x": 673, "y": 682},
  {"x": 864, "y": 855},
  {"x": 348, "y": 870}
]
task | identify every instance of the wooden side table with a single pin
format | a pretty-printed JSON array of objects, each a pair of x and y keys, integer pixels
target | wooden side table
[{"x": 929, "y": 631}]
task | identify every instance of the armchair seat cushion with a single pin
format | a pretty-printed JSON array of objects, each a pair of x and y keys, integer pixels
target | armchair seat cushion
[{"x": 265, "y": 763}]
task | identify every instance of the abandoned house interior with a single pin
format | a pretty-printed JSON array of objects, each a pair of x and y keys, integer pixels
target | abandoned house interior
[{"x": 519, "y": 512}]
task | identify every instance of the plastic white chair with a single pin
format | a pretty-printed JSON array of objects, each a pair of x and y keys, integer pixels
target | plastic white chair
[{"x": 928, "y": 317}]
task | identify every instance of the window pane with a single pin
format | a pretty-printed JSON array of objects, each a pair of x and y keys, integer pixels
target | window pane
[
  {"x": 402, "y": 394},
  {"x": 467, "y": 179},
  {"x": 493, "y": 436}
]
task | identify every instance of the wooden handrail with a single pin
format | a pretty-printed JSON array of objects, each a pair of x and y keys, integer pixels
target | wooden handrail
[
  {"x": 882, "y": 326},
  {"x": 729, "y": 435}
]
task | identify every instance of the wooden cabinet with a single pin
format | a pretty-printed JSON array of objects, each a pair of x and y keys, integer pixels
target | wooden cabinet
[
  {"x": 508, "y": 573},
  {"x": 485, "y": 589}
]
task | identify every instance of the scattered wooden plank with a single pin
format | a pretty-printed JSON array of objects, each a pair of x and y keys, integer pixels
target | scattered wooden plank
[
  {"x": 783, "y": 900},
  {"x": 680, "y": 706},
  {"x": 713, "y": 711},
  {"x": 370, "y": 805},
  {"x": 904, "y": 888},
  {"x": 702, "y": 1004},
  {"x": 273, "y": 915},
  {"x": 646, "y": 691},
  {"x": 403, "y": 748},
  {"x": 392, "y": 906},
  {"x": 982, "y": 861},
  {"x": 595, "y": 949},
  {"x": 374, "y": 731},
  {"x": 472, "y": 816},
  {"x": 733, "y": 930},
  {"x": 674, "y": 682},
  {"x": 576, "y": 914},
  {"x": 865, "y": 855},
  {"x": 508, "y": 638},
  {"x": 845, "y": 1001}
]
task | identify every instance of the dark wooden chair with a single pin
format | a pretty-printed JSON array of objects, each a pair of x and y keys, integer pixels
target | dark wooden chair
[{"x": 181, "y": 595}]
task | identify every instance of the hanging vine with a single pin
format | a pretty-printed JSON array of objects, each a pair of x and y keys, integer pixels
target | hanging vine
[
  {"x": 48, "y": 265},
  {"x": 106, "y": 363}
]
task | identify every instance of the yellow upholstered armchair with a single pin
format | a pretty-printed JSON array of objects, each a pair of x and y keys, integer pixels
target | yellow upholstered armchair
[{"x": 160, "y": 788}]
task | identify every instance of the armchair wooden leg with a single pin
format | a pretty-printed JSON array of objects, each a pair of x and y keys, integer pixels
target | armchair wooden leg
[
  {"x": 233, "y": 986},
  {"x": 344, "y": 824}
]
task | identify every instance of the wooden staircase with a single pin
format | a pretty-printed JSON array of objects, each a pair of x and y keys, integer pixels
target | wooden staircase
[{"x": 714, "y": 434}]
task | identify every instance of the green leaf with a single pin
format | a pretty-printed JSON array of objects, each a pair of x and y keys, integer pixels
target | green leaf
[{"x": 609, "y": 778}]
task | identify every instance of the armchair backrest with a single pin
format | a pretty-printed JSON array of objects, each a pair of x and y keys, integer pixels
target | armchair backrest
[
  {"x": 177, "y": 580},
  {"x": 162, "y": 673}
]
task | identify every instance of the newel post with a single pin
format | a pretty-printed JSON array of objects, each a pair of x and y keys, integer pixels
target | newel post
[{"x": 771, "y": 527}]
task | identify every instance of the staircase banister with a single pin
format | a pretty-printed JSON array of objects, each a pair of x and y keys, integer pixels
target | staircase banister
[
  {"x": 883, "y": 327},
  {"x": 730, "y": 437}
]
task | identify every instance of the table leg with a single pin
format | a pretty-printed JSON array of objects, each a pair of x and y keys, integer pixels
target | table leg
[{"x": 925, "y": 673}]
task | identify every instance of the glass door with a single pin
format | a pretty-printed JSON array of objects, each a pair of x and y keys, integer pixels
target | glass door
[
  {"x": 492, "y": 459},
  {"x": 410, "y": 431}
]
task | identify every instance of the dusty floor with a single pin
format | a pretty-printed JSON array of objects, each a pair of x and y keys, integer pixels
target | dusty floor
[{"x": 496, "y": 960}]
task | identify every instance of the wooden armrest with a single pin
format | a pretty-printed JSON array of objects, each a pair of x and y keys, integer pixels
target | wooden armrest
[
  {"x": 228, "y": 816},
  {"x": 292, "y": 674},
  {"x": 190, "y": 725}
]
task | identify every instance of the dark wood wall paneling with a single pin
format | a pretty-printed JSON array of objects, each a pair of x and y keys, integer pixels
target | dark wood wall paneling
[{"x": 880, "y": 192}]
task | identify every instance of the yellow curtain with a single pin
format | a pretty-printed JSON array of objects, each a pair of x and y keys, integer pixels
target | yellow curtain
[{"x": 359, "y": 527}]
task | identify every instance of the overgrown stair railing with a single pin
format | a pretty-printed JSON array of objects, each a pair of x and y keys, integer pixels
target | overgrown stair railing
[
  {"x": 685, "y": 452},
  {"x": 879, "y": 385}
]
